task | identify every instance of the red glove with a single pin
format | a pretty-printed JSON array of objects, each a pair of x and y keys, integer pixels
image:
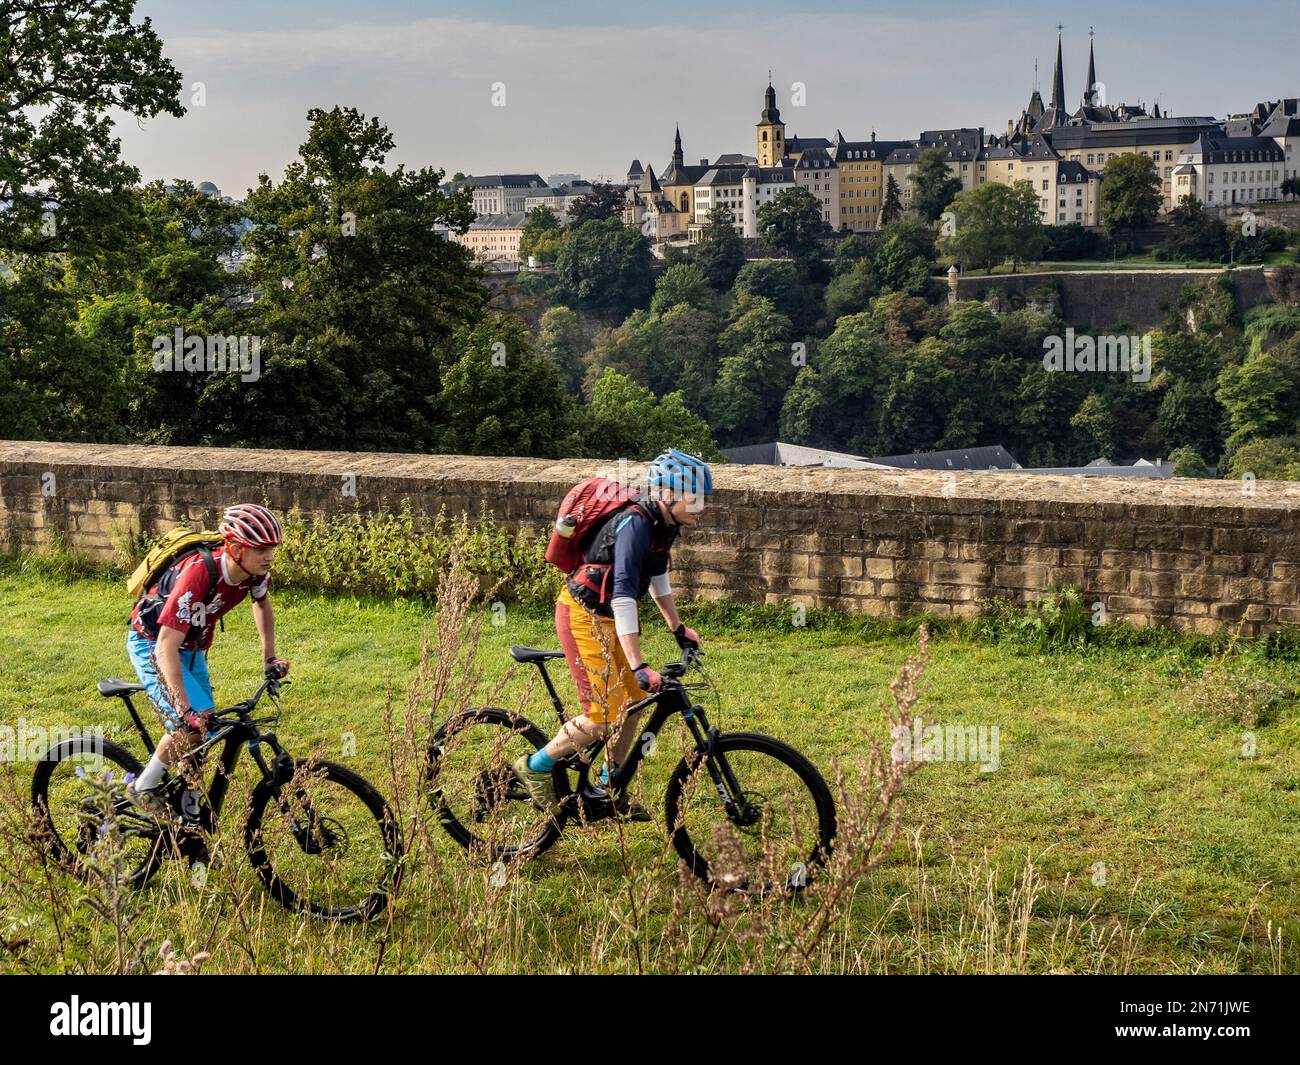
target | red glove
[
  {"x": 277, "y": 667},
  {"x": 648, "y": 678},
  {"x": 200, "y": 723}
]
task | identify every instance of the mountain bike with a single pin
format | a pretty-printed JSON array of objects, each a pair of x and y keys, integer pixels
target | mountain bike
[
  {"x": 321, "y": 839},
  {"x": 744, "y": 811}
]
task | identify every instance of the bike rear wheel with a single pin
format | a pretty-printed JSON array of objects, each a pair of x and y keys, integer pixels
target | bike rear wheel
[
  {"x": 753, "y": 816},
  {"x": 475, "y": 793},
  {"x": 77, "y": 791},
  {"x": 324, "y": 842}
]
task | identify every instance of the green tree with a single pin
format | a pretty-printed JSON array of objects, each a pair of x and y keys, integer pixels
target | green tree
[
  {"x": 1130, "y": 194},
  {"x": 1095, "y": 420},
  {"x": 542, "y": 236},
  {"x": 892, "y": 209},
  {"x": 602, "y": 203},
  {"x": 780, "y": 282},
  {"x": 1026, "y": 234},
  {"x": 756, "y": 367},
  {"x": 501, "y": 398},
  {"x": 360, "y": 298},
  {"x": 605, "y": 266},
  {"x": 835, "y": 400},
  {"x": 898, "y": 268},
  {"x": 933, "y": 184},
  {"x": 792, "y": 222},
  {"x": 562, "y": 341},
  {"x": 64, "y": 69},
  {"x": 1268, "y": 459},
  {"x": 1253, "y": 394},
  {"x": 850, "y": 292},
  {"x": 852, "y": 250},
  {"x": 1187, "y": 462},
  {"x": 993, "y": 223},
  {"x": 683, "y": 283},
  {"x": 625, "y": 420},
  {"x": 672, "y": 350},
  {"x": 978, "y": 238},
  {"x": 1194, "y": 233},
  {"x": 719, "y": 252}
]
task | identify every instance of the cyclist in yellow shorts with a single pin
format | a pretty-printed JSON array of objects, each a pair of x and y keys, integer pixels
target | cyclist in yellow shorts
[{"x": 597, "y": 621}]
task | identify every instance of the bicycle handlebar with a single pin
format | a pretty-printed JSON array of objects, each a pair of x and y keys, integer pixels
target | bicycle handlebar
[
  {"x": 272, "y": 686},
  {"x": 675, "y": 670}
]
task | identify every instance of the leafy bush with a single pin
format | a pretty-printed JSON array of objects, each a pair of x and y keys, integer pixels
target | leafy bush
[
  {"x": 1057, "y": 620},
  {"x": 390, "y": 554}
]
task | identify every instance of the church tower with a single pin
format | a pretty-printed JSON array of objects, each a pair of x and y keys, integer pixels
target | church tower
[{"x": 771, "y": 130}]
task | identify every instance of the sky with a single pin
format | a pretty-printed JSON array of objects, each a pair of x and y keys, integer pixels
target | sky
[{"x": 587, "y": 89}]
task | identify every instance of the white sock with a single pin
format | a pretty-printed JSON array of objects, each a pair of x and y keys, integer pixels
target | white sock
[{"x": 152, "y": 775}]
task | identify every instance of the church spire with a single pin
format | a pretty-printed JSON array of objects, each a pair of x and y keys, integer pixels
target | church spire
[
  {"x": 678, "y": 159},
  {"x": 1058, "y": 78},
  {"x": 1090, "y": 85},
  {"x": 770, "y": 112}
]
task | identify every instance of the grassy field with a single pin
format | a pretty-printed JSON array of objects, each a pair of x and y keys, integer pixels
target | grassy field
[{"x": 1124, "y": 830}]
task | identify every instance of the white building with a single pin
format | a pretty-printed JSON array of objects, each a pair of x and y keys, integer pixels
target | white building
[
  {"x": 502, "y": 193},
  {"x": 1221, "y": 170}
]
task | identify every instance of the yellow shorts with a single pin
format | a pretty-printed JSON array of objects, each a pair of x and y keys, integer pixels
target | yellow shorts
[{"x": 605, "y": 683}]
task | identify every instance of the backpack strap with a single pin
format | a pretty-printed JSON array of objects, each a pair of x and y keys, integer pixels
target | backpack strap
[{"x": 210, "y": 563}]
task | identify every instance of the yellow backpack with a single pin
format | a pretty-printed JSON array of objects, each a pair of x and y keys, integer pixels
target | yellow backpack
[{"x": 174, "y": 546}]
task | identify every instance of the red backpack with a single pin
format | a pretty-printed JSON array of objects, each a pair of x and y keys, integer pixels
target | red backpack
[{"x": 584, "y": 510}]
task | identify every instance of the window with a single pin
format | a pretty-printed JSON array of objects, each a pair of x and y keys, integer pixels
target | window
[{"x": 1044, "y": 184}]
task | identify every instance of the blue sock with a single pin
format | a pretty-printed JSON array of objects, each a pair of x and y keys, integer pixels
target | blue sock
[
  {"x": 604, "y": 774},
  {"x": 541, "y": 762}
]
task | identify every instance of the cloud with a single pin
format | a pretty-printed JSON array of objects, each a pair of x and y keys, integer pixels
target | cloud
[{"x": 584, "y": 99}]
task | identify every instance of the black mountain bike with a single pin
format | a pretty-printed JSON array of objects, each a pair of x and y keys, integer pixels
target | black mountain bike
[
  {"x": 321, "y": 839},
  {"x": 730, "y": 786}
]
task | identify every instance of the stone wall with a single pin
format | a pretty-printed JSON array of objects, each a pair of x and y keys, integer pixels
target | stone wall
[
  {"x": 1099, "y": 299},
  {"x": 1283, "y": 214},
  {"x": 1194, "y": 555}
]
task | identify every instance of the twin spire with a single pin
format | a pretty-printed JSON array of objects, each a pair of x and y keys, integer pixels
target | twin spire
[{"x": 1058, "y": 74}]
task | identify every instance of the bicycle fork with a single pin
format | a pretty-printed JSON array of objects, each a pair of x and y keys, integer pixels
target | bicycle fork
[{"x": 739, "y": 811}]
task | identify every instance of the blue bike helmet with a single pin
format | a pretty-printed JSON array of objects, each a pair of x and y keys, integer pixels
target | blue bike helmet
[{"x": 681, "y": 472}]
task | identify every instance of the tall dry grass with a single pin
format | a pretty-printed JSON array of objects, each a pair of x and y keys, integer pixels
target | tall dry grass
[{"x": 460, "y": 911}]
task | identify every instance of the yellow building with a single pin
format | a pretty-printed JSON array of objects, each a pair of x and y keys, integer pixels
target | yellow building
[{"x": 494, "y": 238}]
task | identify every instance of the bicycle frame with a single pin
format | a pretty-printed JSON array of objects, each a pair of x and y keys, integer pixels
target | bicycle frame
[
  {"x": 671, "y": 699},
  {"x": 234, "y": 736}
]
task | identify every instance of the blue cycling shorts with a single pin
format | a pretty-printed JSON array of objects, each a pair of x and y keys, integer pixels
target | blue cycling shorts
[{"x": 194, "y": 668}]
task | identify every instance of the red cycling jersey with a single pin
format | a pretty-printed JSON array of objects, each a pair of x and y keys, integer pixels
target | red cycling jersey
[{"x": 181, "y": 600}]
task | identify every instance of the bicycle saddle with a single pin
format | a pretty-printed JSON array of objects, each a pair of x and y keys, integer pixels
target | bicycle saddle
[
  {"x": 529, "y": 654},
  {"x": 117, "y": 687}
]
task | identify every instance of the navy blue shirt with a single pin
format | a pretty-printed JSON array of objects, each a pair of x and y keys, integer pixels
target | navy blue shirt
[{"x": 631, "y": 549}]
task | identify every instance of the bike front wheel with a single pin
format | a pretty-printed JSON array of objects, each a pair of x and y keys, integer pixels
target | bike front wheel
[
  {"x": 753, "y": 815},
  {"x": 324, "y": 842}
]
